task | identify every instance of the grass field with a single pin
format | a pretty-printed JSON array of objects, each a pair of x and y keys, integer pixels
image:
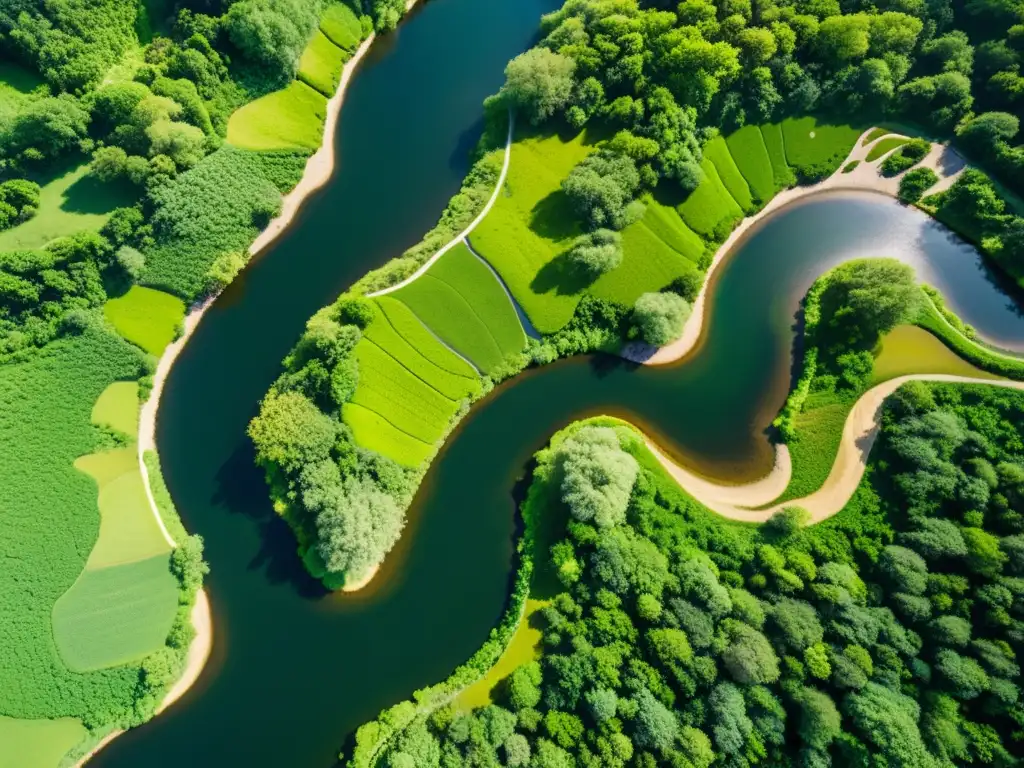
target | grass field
[
  {"x": 16, "y": 88},
  {"x": 382, "y": 334},
  {"x": 118, "y": 407},
  {"x": 872, "y": 135},
  {"x": 112, "y": 616},
  {"x": 321, "y": 64},
  {"x": 817, "y": 149},
  {"x": 717, "y": 151},
  {"x": 37, "y": 743},
  {"x": 710, "y": 210},
  {"x": 391, "y": 390},
  {"x": 146, "y": 317},
  {"x": 885, "y": 145},
  {"x": 453, "y": 319},
  {"x": 70, "y": 201},
  {"x": 341, "y": 25},
  {"x": 46, "y": 404},
  {"x": 292, "y": 118},
  {"x": 531, "y": 224},
  {"x": 748, "y": 150},
  {"x": 776, "y": 148},
  {"x": 373, "y": 431},
  {"x": 474, "y": 281}
]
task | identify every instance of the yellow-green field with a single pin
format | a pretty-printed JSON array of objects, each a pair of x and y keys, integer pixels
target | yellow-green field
[
  {"x": 146, "y": 317},
  {"x": 292, "y": 118},
  {"x": 37, "y": 743}
]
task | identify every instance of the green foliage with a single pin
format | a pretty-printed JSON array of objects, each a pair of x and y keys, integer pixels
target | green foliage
[
  {"x": 538, "y": 82},
  {"x": 601, "y": 188},
  {"x": 907, "y": 156},
  {"x": 710, "y": 210},
  {"x": 916, "y": 183},
  {"x": 271, "y": 34},
  {"x": 597, "y": 252},
  {"x": 659, "y": 317},
  {"x": 598, "y": 476}
]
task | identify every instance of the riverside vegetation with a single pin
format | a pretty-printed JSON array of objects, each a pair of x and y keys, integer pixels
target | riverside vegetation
[{"x": 121, "y": 203}]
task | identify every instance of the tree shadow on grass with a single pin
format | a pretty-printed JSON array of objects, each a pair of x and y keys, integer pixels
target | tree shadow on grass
[
  {"x": 562, "y": 277},
  {"x": 553, "y": 217},
  {"x": 89, "y": 195}
]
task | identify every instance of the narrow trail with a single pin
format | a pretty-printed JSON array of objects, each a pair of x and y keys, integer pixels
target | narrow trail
[{"x": 859, "y": 434}]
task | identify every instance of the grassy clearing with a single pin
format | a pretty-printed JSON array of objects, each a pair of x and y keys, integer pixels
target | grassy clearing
[
  {"x": 146, "y": 317},
  {"x": 710, "y": 210},
  {"x": 292, "y": 118},
  {"x": 649, "y": 260},
  {"x": 128, "y": 530},
  {"x": 874, "y": 134},
  {"x": 321, "y": 64},
  {"x": 475, "y": 282},
  {"x": 16, "y": 88},
  {"x": 373, "y": 431},
  {"x": 409, "y": 403},
  {"x": 909, "y": 349},
  {"x": 70, "y": 201},
  {"x": 453, "y": 319},
  {"x": 342, "y": 26},
  {"x": 885, "y": 145},
  {"x": 775, "y": 145},
  {"x": 46, "y": 403},
  {"x": 747, "y": 148},
  {"x": 37, "y": 743},
  {"x": 112, "y": 616},
  {"x": 524, "y": 647},
  {"x": 410, "y": 328},
  {"x": 815, "y": 150},
  {"x": 717, "y": 151},
  {"x": 118, "y": 407},
  {"x": 531, "y": 224}
]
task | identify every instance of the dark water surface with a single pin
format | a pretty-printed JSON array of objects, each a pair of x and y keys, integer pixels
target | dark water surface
[{"x": 295, "y": 671}]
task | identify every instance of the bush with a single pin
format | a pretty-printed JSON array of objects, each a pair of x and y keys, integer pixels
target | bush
[
  {"x": 659, "y": 317},
  {"x": 597, "y": 252},
  {"x": 601, "y": 188},
  {"x": 538, "y": 82},
  {"x": 905, "y": 157},
  {"x": 915, "y": 183}
]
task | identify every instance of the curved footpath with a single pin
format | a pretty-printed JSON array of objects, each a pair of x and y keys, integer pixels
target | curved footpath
[
  {"x": 318, "y": 171},
  {"x": 859, "y": 434},
  {"x": 942, "y": 159}
]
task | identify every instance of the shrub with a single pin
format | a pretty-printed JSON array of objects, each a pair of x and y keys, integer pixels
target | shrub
[
  {"x": 659, "y": 317},
  {"x": 597, "y": 252},
  {"x": 601, "y": 188},
  {"x": 915, "y": 183},
  {"x": 539, "y": 82}
]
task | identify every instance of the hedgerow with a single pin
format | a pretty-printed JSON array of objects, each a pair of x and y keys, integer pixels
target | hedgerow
[{"x": 215, "y": 208}]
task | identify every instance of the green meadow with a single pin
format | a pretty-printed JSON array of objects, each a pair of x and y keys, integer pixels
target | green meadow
[{"x": 146, "y": 317}]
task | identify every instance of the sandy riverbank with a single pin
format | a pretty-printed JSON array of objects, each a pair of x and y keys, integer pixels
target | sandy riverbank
[
  {"x": 859, "y": 434},
  {"x": 946, "y": 163},
  {"x": 355, "y": 586}
]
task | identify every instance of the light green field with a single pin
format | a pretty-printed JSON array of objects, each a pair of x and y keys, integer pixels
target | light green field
[
  {"x": 70, "y": 201},
  {"x": 524, "y": 647},
  {"x": 874, "y": 133},
  {"x": 410, "y": 328},
  {"x": 710, "y": 210},
  {"x": 531, "y": 224},
  {"x": 321, "y": 64},
  {"x": 453, "y": 319},
  {"x": 717, "y": 151},
  {"x": 475, "y": 282},
  {"x": 885, "y": 145},
  {"x": 341, "y": 25},
  {"x": 748, "y": 150},
  {"x": 37, "y": 743},
  {"x": 649, "y": 260},
  {"x": 146, "y": 317},
  {"x": 118, "y": 407},
  {"x": 373, "y": 431},
  {"x": 115, "y": 615},
  {"x": 391, "y": 390},
  {"x": 810, "y": 144},
  {"x": 16, "y": 87},
  {"x": 776, "y": 148},
  {"x": 909, "y": 349},
  {"x": 292, "y": 118},
  {"x": 128, "y": 530}
]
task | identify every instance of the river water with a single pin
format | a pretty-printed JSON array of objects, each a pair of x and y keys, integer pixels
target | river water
[{"x": 295, "y": 670}]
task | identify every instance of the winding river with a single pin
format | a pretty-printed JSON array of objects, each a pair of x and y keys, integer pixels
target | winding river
[{"x": 294, "y": 670}]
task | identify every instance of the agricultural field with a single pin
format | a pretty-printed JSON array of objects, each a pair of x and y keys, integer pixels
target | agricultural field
[
  {"x": 710, "y": 210},
  {"x": 751, "y": 157},
  {"x": 70, "y": 201},
  {"x": 717, "y": 151},
  {"x": 341, "y": 25},
  {"x": 146, "y": 317},
  {"x": 321, "y": 64},
  {"x": 885, "y": 145},
  {"x": 815, "y": 150},
  {"x": 775, "y": 145},
  {"x": 37, "y": 743},
  {"x": 373, "y": 431},
  {"x": 418, "y": 336},
  {"x": 47, "y": 404},
  {"x": 292, "y": 118}
]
